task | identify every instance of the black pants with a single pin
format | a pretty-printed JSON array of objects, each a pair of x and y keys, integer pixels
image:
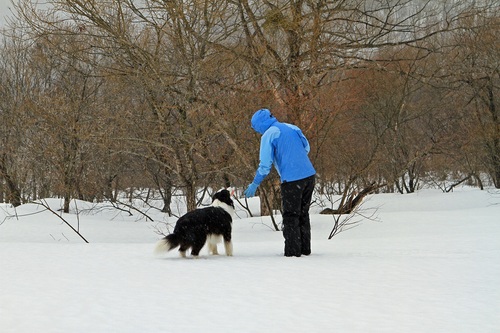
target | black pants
[{"x": 296, "y": 199}]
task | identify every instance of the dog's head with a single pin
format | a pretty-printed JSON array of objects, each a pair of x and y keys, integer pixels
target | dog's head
[{"x": 224, "y": 197}]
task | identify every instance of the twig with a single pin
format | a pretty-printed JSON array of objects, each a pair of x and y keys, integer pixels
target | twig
[
  {"x": 44, "y": 204},
  {"x": 130, "y": 206},
  {"x": 244, "y": 206}
]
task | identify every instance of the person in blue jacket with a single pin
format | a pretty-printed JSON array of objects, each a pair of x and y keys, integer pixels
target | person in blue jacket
[{"x": 285, "y": 146}]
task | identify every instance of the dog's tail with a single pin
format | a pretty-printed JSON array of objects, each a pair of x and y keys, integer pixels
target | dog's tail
[{"x": 166, "y": 244}]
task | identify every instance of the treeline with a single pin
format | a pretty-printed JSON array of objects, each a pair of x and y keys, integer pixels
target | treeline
[{"x": 101, "y": 97}]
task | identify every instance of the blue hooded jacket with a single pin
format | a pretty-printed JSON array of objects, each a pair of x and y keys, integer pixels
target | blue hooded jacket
[{"x": 283, "y": 145}]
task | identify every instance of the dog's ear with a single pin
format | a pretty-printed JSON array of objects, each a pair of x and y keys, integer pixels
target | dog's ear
[
  {"x": 223, "y": 196},
  {"x": 217, "y": 195}
]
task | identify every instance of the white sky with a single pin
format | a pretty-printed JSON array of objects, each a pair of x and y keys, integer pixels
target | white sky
[{"x": 4, "y": 10}]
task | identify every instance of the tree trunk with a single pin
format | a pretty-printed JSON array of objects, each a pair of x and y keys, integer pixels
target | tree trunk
[
  {"x": 270, "y": 197},
  {"x": 67, "y": 200},
  {"x": 166, "y": 194},
  {"x": 266, "y": 208},
  {"x": 190, "y": 193},
  {"x": 495, "y": 141},
  {"x": 13, "y": 192},
  {"x": 109, "y": 188}
]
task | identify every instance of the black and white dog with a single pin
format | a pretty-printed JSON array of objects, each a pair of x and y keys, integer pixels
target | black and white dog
[{"x": 203, "y": 225}]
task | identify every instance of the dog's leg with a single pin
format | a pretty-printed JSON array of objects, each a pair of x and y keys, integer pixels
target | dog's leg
[
  {"x": 228, "y": 245},
  {"x": 212, "y": 244},
  {"x": 182, "y": 251},
  {"x": 212, "y": 249},
  {"x": 195, "y": 250}
]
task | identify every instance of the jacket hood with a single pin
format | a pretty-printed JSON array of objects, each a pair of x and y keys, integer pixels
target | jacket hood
[{"x": 262, "y": 120}]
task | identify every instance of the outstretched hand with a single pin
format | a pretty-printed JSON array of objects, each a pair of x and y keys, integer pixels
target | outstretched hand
[{"x": 250, "y": 191}]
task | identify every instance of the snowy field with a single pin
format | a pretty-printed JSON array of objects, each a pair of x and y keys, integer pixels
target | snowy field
[{"x": 431, "y": 263}]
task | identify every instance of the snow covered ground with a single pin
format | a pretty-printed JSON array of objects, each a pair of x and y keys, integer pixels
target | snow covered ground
[{"x": 430, "y": 264}]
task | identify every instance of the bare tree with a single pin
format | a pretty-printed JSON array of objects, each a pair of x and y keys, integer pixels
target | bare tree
[
  {"x": 15, "y": 78},
  {"x": 150, "y": 48},
  {"x": 476, "y": 70}
]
